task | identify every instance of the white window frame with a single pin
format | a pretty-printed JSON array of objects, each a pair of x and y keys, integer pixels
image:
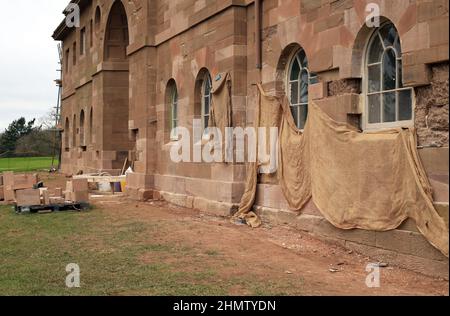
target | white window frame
[
  {"x": 386, "y": 125},
  {"x": 295, "y": 57},
  {"x": 174, "y": 117},
  {"x": 206, "y": 97}
]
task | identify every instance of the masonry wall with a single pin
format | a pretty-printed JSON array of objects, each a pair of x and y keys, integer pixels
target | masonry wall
[
  {"x": 333, "y": 35},
  {"x": 179, "y": 40}
]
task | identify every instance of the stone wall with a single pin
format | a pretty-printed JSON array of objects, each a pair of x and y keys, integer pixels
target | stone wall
[
  {"x": 432, "y": 109},
  {"x": 178, "y": 40}
]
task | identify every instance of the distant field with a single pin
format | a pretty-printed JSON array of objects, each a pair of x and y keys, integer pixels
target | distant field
[{"x": 26, "y": 164}]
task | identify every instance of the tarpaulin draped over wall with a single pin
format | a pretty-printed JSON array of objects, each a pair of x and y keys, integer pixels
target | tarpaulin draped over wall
[
  {"x": 371, "y": 181},
  {"x": 220, "y": 110}
]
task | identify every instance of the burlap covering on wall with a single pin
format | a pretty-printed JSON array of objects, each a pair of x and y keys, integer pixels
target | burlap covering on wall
[
  {"x": 372, "y": 181},
  {"x": 220, "y": 110}
]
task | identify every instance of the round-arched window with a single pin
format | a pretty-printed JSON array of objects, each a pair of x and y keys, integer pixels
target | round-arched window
[
  {"x": 298, "y": 83},
  {"x": 206, "y": 99},
  {"x": 388, "y": 103}
]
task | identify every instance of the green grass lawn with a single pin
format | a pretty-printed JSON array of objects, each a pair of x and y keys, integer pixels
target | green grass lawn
[
  {"x": 117, "y": 256},
  {"x": 26, "y": 164}
]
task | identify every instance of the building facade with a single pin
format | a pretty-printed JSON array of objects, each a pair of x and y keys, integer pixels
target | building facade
[{"x": 133, "y": 70}]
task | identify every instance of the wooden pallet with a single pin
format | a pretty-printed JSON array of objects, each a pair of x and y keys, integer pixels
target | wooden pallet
[{"x": 79, "y": 207}]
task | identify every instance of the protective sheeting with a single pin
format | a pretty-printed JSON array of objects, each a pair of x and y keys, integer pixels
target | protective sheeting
[
  {"x": 220, "y": 110},
  {"x": 371, "y": 181}
]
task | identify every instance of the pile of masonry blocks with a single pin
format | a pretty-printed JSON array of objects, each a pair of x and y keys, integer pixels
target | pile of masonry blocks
[
  {"x": 77, "y": 190},
  {"x": 20, "y": 189},
  {"x": 17, "y": 186}
]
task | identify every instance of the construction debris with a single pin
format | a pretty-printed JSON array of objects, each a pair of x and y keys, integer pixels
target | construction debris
[
  {"x": 105, "y": 182},
  {"x": 11, "y": 182},
  {"x": 29, "y": 195},
  {"x": 77, "y": 190}
]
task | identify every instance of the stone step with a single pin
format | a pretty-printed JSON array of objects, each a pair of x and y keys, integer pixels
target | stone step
[{"x": 404, "y": 247}]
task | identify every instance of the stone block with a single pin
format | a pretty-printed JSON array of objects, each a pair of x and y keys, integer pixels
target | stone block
[
  {"x": 2, "y": 194},
  {"x": 433, "y": 268},
  {"x": 176, "y": 199},
  {"x": 157, "y": 196},
  {"x": 28, "y": 197},
  {"x": 25, "y": 181},
  {"x": 322, "y": 60},
  {"x": 318, "y": 91},
  {"x": 79, "y": 185},
  {"x": 428, "y": 10},
  {"x": 45, "y": 194},
  {"x": 416, "y": 75},
  {"x": 68, "y": 196},
  {"x": 69, "y": 186},
  {"x": 80, "y": 196},
  {"x": 58, "y": 192},
  {"x": 277, "y": 216},
  {"x": 190, "y": 202},
  {"x": 407, "y": 242},
  {"x": 308, "y": 223},
  {"x": 145, "y": 195},
  {"x": 365, "y": 237},
  {"x": 57, "y": 200},
  {"x": 435, "y": 160}
]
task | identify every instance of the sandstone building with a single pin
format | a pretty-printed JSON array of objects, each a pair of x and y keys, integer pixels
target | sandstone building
[{"x": 135, "y": 69}]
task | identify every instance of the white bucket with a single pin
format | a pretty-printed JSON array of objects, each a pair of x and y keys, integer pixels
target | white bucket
[{"x": 104, "y": 187}]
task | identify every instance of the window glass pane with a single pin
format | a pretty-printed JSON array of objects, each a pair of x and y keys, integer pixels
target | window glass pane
[
  {"x": 389, "y": 70},
  {"x": 302, "y": 57},
  {"x": 374, "y": 109},
  {"x": 295, "y": 70},
  {"x": 376, "y": 50},
  {"x": 374, "y": 78},
  {"x": 294, "y": 111},
  {"x": 294, "y": 92},
  {"x": 303, "y": 116},
  {"x": 313, "y": 78},
  {"x": 397, "y": 46},
  {"x": 206, "y": 109},
  {"x": 405, "y": 105},
  {"x": 175, "y": 111},
  {"x": 206, "y": 121},
  {"x": 388, "y": 33},
  {"x": 389, "y": 107},
  {"x": 399, "y": 73},
  {"x": 304, "y": 87}
]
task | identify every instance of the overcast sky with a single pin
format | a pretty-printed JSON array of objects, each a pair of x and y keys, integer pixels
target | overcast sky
[{"x": 28, "y": 58}]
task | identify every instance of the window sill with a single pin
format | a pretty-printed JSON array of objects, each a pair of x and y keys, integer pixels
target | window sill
[{"x": 386, "y": 126}]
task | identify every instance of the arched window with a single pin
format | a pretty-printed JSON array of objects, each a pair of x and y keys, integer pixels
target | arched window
[
  {"x": 97, "y": 19},
  {"x": 388, "y": 103},
  {"x": 116, "y": 34},
  {"x": 74, "y": 131},
  {"x": 298, "y": 83},
  {"x": 74, "y": 54},
  {"x": 91, "y": 126},
  {"x": 206, "y": 99},
  {"x": 82, "y": 121},
  {"x": 173, "y": 110},
  {"x": 67, "y": 135}
]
